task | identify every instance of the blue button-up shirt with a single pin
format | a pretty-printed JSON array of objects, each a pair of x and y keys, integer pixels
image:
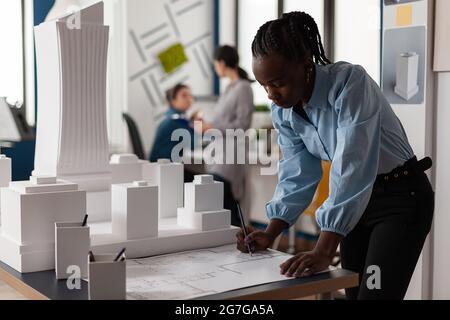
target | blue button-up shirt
[{"x": 352, "y": 125}]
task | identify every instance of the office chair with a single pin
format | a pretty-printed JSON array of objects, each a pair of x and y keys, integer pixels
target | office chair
[{"x": 135, "y": 137}]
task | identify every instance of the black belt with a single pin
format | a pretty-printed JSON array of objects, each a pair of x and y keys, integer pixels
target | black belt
[{"x": 410, "y": 168}]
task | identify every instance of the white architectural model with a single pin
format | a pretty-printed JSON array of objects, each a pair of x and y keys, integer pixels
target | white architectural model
[
  {"x": 171, "y": 237},
  {"x": 204, "y": 205},
  {"x": 126, "y": 168},
  {"x": 29, "y": 212},
  {"x": 73, "y": 177},
  {"x": 72, "y": 241},
  {"x": 72, "y": 138},
  {"x": 169, "y": 177},
  {"x": 135, "y": 210}
]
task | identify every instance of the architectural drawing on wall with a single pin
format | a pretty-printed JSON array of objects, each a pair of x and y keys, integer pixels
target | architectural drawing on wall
[
  {"x": 149, "y": 37},
  {"x": 403, "y": 56},
  {"x": 72, "y": 144},
  {"x": 406, "y": 75}
]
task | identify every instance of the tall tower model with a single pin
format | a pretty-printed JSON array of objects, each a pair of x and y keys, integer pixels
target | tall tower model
[{"x": 72, "y": 138}]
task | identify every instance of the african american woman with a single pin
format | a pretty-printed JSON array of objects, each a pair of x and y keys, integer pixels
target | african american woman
[{"x": 381, "y": 203}]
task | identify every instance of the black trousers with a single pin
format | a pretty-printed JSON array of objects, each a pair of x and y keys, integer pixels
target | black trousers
[{"x": 390, "y": 236}]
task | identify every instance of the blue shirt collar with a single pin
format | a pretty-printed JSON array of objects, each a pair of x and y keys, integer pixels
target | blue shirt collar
[
  {"x": 319, "y": 98},
  {"x": 173, "y": 111}
]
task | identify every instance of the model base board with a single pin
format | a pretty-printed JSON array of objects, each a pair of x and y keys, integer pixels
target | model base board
[{"x": 171, "y": 239}]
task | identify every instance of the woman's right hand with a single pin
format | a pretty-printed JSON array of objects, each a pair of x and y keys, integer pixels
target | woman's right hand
[{"x": 257, "y": 240}]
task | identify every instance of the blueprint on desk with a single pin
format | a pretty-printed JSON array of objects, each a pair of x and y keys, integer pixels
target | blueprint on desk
[{"x": 200, "y": 273}]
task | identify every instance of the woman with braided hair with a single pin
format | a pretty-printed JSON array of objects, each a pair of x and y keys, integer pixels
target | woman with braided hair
[{"x": 380, "y": 206}]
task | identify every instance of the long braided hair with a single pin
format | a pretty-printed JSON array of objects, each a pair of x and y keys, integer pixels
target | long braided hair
[{"x": 295, "y": 36}]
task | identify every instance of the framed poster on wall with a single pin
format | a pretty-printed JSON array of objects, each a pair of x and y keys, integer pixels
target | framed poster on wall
[
  {"x": 404, "y": 54},
  {"x": 404, "y": 65}
]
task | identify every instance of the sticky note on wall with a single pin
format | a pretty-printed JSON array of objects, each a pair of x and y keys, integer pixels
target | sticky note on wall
[
  {"x": 173, "y": 57},
  {"x": 404, "y": 15}
]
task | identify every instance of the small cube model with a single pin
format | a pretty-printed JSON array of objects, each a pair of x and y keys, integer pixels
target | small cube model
[
  {"x": 169, "y": 177},
  {"x": 204, "y": 194},
  {"x": 204, "y": 205},
  {"x": 135, "y": 210},
  {"x": 126, "y": 168}
]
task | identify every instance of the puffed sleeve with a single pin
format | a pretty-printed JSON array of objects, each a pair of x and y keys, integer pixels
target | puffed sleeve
[{"x": 355, "y": 162}]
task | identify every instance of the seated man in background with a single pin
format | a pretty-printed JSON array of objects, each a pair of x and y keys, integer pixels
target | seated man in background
[{"x": 180, "y": 100}]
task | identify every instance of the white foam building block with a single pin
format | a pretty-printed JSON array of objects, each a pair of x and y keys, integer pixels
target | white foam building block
[
  {"x": 29, "y": 212},
  {"x": 135, "y": 210},
  {"x": 204, "y": 194},
  {"x": 43, "y": 180},
  {"x": 169, "y": 177},
  {"x": 99, "y": 206},
  {"x": 204, "y": 221},
  {"x": 126, "y": 168},
  {"x": 72, "y": 136},
  {"x": 203, "y": 208},
  {"x": 5, "y": 173},
  {"x": 407, "y": 71}
]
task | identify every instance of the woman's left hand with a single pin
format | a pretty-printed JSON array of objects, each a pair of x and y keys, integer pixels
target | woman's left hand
[{"x": 306, "y": 264}]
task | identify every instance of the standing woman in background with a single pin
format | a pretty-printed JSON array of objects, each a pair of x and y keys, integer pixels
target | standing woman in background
[{"x": 234, "y": 110}]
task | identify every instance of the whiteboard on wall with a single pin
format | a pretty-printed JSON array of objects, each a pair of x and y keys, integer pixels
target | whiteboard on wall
[
  {"x": 407, "y": 16},
  {"x": 152, "y": 27}
]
